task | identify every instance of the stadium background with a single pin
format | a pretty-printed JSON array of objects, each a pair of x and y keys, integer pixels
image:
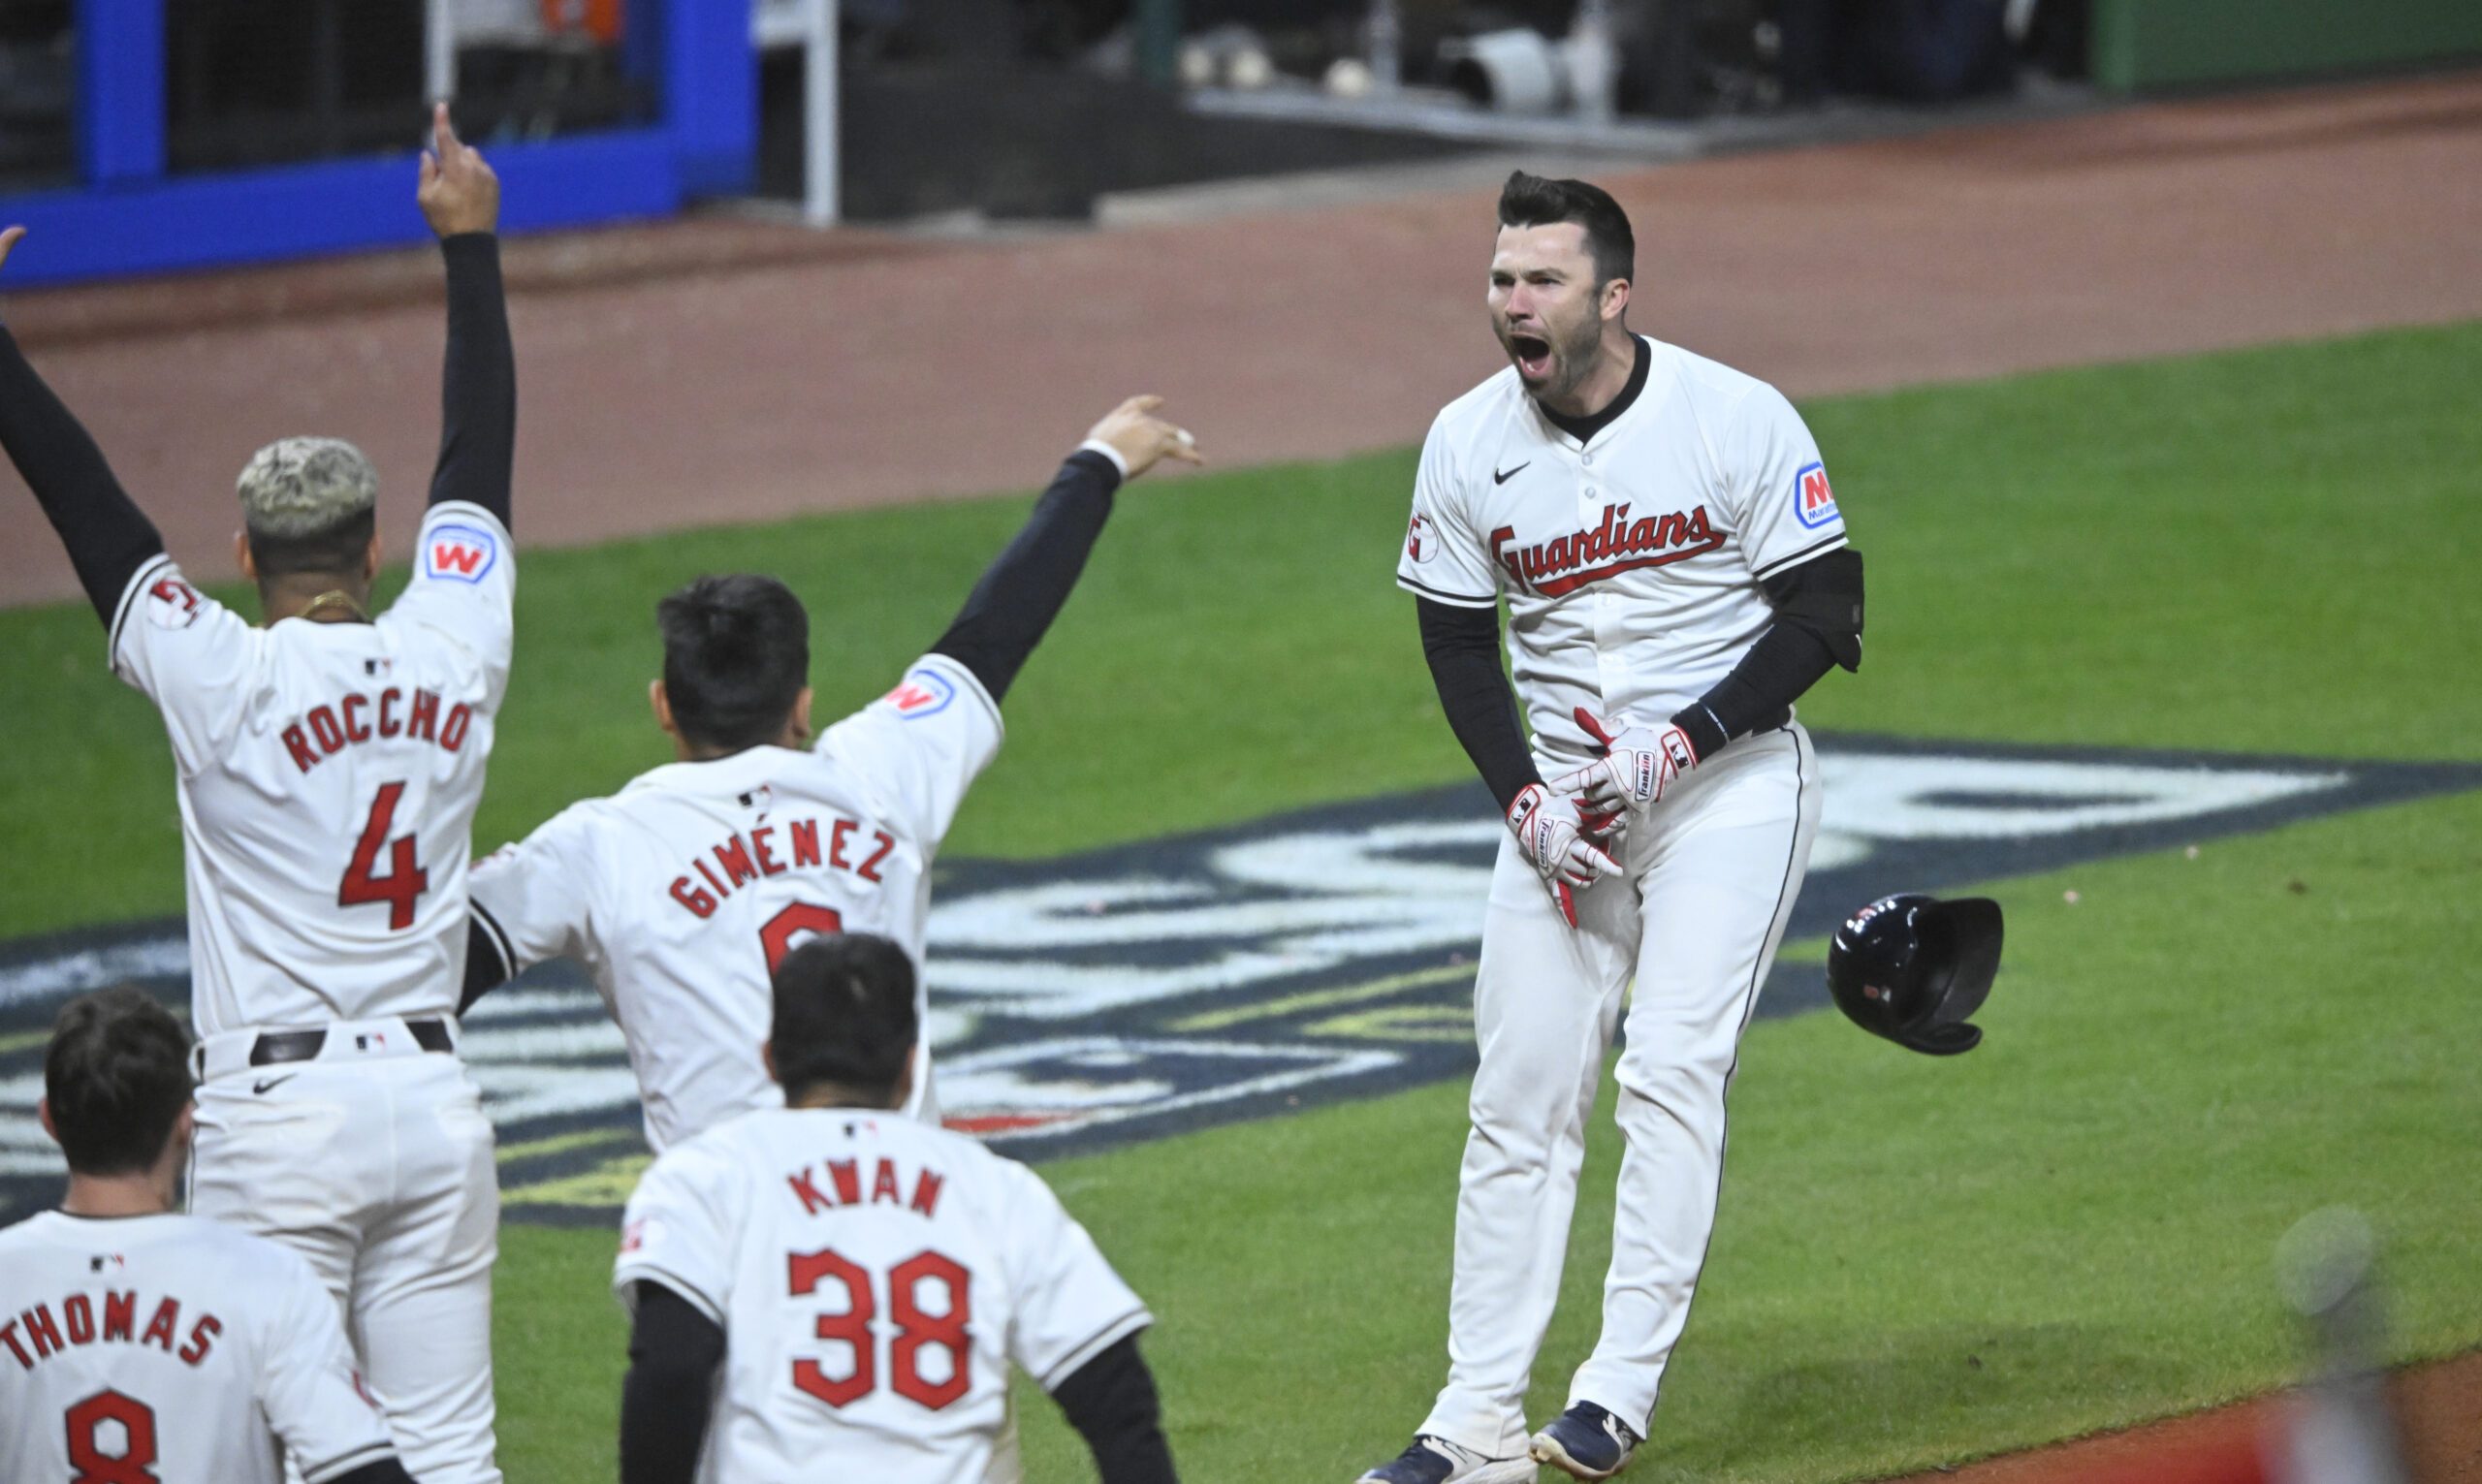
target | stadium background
[{"x": 2154, "y": 415}]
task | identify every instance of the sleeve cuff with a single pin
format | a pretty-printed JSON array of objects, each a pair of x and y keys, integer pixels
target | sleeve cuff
[
  {"x": 1099, "y": 446},
  {"x": 1452, "y": 599}
]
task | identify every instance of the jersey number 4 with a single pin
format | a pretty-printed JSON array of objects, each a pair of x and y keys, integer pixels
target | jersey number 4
[
  {"x": 134, "y": 1463},
  {"x": 405, "y": 880},
  {"x": 914, "y": 1329}
]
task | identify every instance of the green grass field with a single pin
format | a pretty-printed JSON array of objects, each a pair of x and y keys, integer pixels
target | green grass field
[{"x": 1917, "y": 1261}]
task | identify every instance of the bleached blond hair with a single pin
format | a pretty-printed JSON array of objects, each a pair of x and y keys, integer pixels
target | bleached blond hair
[{"x": 303, "y": 487}]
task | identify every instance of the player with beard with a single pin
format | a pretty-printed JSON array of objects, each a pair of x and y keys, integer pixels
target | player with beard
[{"x": 1675, "y": 574}]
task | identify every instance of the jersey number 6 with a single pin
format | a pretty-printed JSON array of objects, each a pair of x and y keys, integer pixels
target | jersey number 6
[
  {"x": 777, "y": 934},
  {"x": 914, "y": 1329}
]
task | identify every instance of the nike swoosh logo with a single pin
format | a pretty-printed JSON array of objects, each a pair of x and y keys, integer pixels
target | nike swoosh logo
[
  {"x": 273, "y": 1082},
  {"x": 1499, "y": 478}
]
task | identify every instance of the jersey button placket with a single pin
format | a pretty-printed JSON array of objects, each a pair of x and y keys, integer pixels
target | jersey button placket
[{"x": 1607, "y": 639}]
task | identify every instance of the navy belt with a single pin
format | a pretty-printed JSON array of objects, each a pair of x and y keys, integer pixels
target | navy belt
[{"x": 305, "y": 1045}]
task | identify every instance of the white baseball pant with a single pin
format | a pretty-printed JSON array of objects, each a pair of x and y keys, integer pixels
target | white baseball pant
[
  {"x": 375, "y": 1163},
  {"x": 1710, "y": 873}
]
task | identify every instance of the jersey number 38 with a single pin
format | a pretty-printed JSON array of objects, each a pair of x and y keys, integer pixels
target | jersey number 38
[{"x": 915, "y": 1329}]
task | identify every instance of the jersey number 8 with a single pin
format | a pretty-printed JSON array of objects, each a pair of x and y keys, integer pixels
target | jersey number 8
[
  {"x": 134, "y": 1464},
  {"x": 914, "y": 1329}
]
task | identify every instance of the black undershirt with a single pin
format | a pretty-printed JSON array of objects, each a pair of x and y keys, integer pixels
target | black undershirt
[
  {"x": 108, "y": 538},
  {"x": 1005, "y": 615},
  {"x": 667, "y": 1399},
  {"x": 478, "y": 381},
  {"x": 1025, "y": 586},
  {"x": 1463, "y": 647},
  {"x": 1585, "y": 428}
]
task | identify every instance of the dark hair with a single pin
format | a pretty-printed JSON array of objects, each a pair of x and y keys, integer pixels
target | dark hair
[
  {"x": 843, "y": 1014},
  {"x": 736, "y": 653},
  {"x": 337, "y": 548},
  {"x": 1538, "y": 200},
  {"x": 116, "y": 1075}
]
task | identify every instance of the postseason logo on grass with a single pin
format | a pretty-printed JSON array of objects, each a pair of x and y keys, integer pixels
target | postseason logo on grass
[{"x": 1141, "y": 991}]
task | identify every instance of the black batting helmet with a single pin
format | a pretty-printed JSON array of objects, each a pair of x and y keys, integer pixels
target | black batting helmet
[{"x": 1914, "y": 968}]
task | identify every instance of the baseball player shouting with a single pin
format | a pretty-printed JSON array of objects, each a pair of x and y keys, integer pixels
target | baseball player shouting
[
  {"x": 329, "y": 767},
  {"x": 828, "y": 1291},
  {"x": 684, "y": 891},
  {"x": 1675, "y": 574},
  {"x": 140, "y": 1345}
]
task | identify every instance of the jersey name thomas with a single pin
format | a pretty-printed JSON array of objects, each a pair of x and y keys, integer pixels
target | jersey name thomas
[
  {"x": 172, "y": 1348},
  {"x": 329, "y": 775},
  {"x": 874, "y": 1278},
  {"x": 1632, "y": 564},
  {"x": 683, "y": 891}
]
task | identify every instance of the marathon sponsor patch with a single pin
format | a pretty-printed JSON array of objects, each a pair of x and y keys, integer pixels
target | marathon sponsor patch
[
  {"x": 1123, "y": 995},
  {"x": 1813, "y": 502},
  {"x": 459, "y": 552},
  {"x": 923, "y": 692},
  {"x": 1421, "y": 539},
  {"x": 172, "y": 604}
]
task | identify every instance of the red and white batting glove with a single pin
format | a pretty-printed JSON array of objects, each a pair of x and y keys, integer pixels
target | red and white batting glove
[
  {"x": 1549, "y": 830},
  {"x": 1637, "y": 764}
]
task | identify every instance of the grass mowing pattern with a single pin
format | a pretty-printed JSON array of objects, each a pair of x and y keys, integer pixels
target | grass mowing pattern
[{"x": 1916, "y": 1261}]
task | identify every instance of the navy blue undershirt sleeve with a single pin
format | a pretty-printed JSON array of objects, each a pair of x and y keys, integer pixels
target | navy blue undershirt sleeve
[
  {"x": 478, "y": 381},
  {"x": 1463, "y": 647},
  {"x": 668, "y": 1394},
  {"x": 1111, "y": 1403},
  {"x": 108, "y": 538},
  {"x": 1022, "y": 590}
]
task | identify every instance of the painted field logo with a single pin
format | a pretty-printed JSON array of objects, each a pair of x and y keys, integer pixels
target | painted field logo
[
  {"x": 461, "y": 554},
  {"x": 1813, "y": 502},
  {"x": 1127, "y": 993}
]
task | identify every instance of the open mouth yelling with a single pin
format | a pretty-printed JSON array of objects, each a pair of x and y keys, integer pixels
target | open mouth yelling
[{"x": 1532, "y": 354}]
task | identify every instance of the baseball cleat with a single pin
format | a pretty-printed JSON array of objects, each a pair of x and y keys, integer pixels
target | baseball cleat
[
  {"x": 1437, "y": 1460},
  {"x": 1586, "y": 1442}
]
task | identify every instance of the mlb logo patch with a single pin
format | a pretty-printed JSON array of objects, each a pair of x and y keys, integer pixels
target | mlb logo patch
[
  {"x": 1421, "y": 539},
  {"x": 1813, "y": 502},
  {"x": 172, "y": 604},
  {"x": 922, "y": 693},
  {"x": 463, "y": 553}
]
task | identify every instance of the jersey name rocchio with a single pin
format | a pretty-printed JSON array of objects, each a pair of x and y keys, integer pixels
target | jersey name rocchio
[
  {"x": 324, "y": 731},
  {"x": 1567, "y": 563},
  {"x": 768, "y": 851},
  {"x": 106, "y": 1317}
]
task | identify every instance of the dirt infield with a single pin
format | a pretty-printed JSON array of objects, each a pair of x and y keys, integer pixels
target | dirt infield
[
  {"x": 721, "y": 374},
  {"x": 2438, "y": 1407}
]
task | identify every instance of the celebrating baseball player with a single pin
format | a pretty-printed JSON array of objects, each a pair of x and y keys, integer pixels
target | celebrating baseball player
[
  {"x": 329, "y": 767},
  {"x": 684, "y": 891},
  {"x": 860, "y": 1279},
  {"x": 143, "y": 1346},
  {"x": 1675, "y": 574}
]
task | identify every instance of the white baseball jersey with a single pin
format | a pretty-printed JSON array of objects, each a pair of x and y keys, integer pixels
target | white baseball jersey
[
  {"x": 1631, "y": 564},
  {"x": 329, "y": 775},
  {"x": 874, "y": 1276},
  {"x": 175, "y": 1349},
  {"x": 682, "y": 892}
]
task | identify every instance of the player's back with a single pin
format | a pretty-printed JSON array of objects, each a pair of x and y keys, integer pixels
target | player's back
[
  {"x": 683, "y": 891},
  {"x": 876, "y": 1276},
  {"x": 156, "y": 1348},
  {"x": 329, "y": 777}
]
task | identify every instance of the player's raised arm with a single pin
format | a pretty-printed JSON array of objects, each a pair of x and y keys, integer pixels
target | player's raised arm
[
  {"x": 107, "y": 537},
  {"x": 461, "y": 198},
  {"x": 1024, "y": 588}
]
